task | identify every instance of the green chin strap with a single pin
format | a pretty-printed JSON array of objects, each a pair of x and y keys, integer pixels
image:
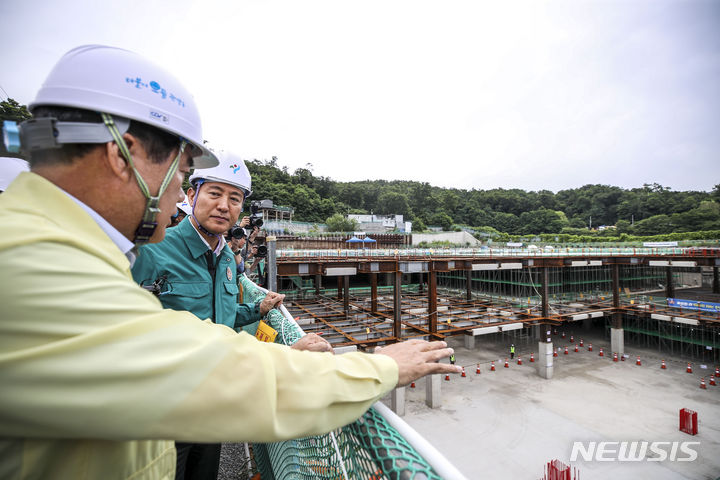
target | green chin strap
[{"x": 152, "y": 208}]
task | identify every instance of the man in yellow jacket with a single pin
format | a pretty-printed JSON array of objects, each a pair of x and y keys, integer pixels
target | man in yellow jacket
[{"x": 97, "y": 378}]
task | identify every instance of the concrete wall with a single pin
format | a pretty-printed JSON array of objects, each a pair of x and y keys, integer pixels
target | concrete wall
[{"x": 460, "y": 238}]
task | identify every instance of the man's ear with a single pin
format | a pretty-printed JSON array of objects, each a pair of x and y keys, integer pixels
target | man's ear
[
  {"x": 117, "y": 162},
  {"x": 191, "y": 195}
]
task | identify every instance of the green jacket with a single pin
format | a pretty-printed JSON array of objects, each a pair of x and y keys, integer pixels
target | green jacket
[
  {"x": 97, "y": 379},
  {"x": 181, "y": 260}
]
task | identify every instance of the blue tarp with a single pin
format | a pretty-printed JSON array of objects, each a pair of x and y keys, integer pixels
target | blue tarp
[
  {"x": 369, "y": 240},
  {"x": 353, "y": 240}
]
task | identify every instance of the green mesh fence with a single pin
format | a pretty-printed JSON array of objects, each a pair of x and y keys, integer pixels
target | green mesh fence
[{"x": 367, "y": 449}]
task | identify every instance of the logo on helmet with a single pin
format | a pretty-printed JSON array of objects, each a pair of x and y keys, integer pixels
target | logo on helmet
[
  {"x": 159, "y": 116},
  {"x": 235, "y": 167}
]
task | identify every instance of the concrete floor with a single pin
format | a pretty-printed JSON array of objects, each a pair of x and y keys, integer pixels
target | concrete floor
[{"x": 509, "y": 423}]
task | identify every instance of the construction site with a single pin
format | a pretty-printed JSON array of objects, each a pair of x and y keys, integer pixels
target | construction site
[{"x": 590, "y": 357}]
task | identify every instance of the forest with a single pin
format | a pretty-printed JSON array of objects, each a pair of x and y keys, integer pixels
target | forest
[{"x": 650, "y": 210}]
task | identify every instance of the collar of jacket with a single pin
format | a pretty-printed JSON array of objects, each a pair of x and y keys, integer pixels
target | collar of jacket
[
  {"x": 192, "y": 239},
  {"x": 58, "y": 219}
]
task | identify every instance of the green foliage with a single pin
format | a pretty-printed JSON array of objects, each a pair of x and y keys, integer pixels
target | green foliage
[
  {"x": 338, "y": 223},
  {"x": 507, "y": 211},
  {"x": 12, "y": 110}
]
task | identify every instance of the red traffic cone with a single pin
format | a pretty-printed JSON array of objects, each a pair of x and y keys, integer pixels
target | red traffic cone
[
  {"x": 555, "y": 331},
  {"x": 507, "y": 365},
  {"x": 563, "y": 335},
  {"x": 555, "y": 353},
  {"x": 615, "y": 357},
  {"x": 712, "y": 380},
  {"x": 601, "y": 354},
  {"x": 581, "y": 343},
  {"x": 663, "y": 366},
  {"x": 463, "y": 372},
  {"x": 717, "y": 372},
  {"x": 477, "y": 370},
  {"x": 689, "y": 368},
  {"x": 622, "y": 357},
  {"x": 519, "y": 360},
  {"x": 638, "y": 362},
  {"x": 492, "y": 366},
  {"x": 576, "y": 348},
  {"x": 702, "y": 383},
  {"x": 447, "y": 377},
  {"x": 572, "y": 339},
  {"x": 412, "y": 385},
  {"x": 532, "y": 358},
  {"x": 566, "y": 351},
  {"x": 589, "y": 347}
]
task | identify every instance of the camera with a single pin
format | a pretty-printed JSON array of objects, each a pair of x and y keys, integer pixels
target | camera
[
  {"x": 237, "y": 232},
  {"x": 261, "y": 251},
  {"x": 256, "y": 217}
]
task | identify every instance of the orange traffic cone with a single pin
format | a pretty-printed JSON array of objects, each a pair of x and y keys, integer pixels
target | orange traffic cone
[
  {"x": 492, "y": 366},
  {"x": 601, "y": 354},
  {"x": 638, "y": 361},
  {"x": 532, "y": 358},
  {"x": 589, "y": 347},
  {"x": 507, "y": 365},
  {"x": 447, "y": 377},
  {"x": 712, "y": 380},
  {"x": 554, "y": 353},
  {"x": 663, "y": 366},
  {"x": 581, "y": 343},
  {"x": 566, "y": 351},
  {"x": 412, "y": 385},
  {"x": 519, "y": 360},
  {"x": 615, "y": 357},
  {"x": 576, "y": 348},
  {"x": 702, "y": 383},
  {"x": 463, "y": 372},
  {"x": 477, "y": 370},
  {"x": 689, "y": 368}
]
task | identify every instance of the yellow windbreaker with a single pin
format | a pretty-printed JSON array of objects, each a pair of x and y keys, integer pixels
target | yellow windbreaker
[{"x": 96, "y": 378}]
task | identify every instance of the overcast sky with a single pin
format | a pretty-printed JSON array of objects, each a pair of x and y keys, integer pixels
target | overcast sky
[{"x": 469, "y": 94}]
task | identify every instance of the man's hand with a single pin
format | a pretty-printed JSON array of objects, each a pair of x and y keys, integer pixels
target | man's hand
[
  {"x": 313, "y": 342},
  {"x": 244, "y": 222},
  {"x": 270, "y": 301},
  {"x": 417, "y": 358}
]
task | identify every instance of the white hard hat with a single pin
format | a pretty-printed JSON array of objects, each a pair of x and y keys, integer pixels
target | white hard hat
[
  {"x": 11, "y": 167},
  {"x": 185, "y": 206},
  {"x": 120, "y": 82},
  {"x": 231, "y": 170}
]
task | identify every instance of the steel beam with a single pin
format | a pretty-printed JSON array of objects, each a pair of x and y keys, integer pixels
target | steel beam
[
  {"x": 397, "y": 306},
  {"x": 432, "y": 301},
  {"x": 616, "y": 316},
  {"x": 468, "y": 284},
  {"x": 373, "y": 293},
  {"x": 346, "y": 294},
  {"x": 670, "y": 287},
  {"x": 716, "y": 281},
  {"x": 545, "y": 292}
]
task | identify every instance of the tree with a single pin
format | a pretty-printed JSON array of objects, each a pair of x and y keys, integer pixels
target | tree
[
  {"x": 338, "y": 223},
  {"x": 12, "y": 110},
  {"x": 442, "y": 219},
  {"x": 393, "y": 203}
]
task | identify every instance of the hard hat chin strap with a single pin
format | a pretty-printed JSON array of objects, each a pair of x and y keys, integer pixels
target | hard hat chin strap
[{"x": 152, "y": 208}]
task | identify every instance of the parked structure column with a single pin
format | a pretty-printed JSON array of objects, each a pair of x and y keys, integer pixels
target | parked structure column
[
  {"x": 716, "y": 281},
  {"x": 617, "y": 334},
  {"x": 432, "y": 301},
  {"x": 397, "y": 306},
  {"x": 373, "y": 293},
  {"x": 318, "y": 284},
  {"x": 468, "y": 285},
  {"x": 670, "y": 285},
  {"x": 346, "y": 294}
]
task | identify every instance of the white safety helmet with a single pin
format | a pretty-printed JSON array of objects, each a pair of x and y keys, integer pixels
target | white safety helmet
[
  {"x": 124, "y": 84},
  {"x": 11, "y": 167},
  {"x": 231, "y": 171},
  {"x": 185, "y": 206}
]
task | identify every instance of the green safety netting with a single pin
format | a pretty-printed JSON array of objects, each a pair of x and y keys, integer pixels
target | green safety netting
[{"x": 367, "y": 449}]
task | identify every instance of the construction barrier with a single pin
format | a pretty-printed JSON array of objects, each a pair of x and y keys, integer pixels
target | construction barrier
[{"x": 688, "y": 421}]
